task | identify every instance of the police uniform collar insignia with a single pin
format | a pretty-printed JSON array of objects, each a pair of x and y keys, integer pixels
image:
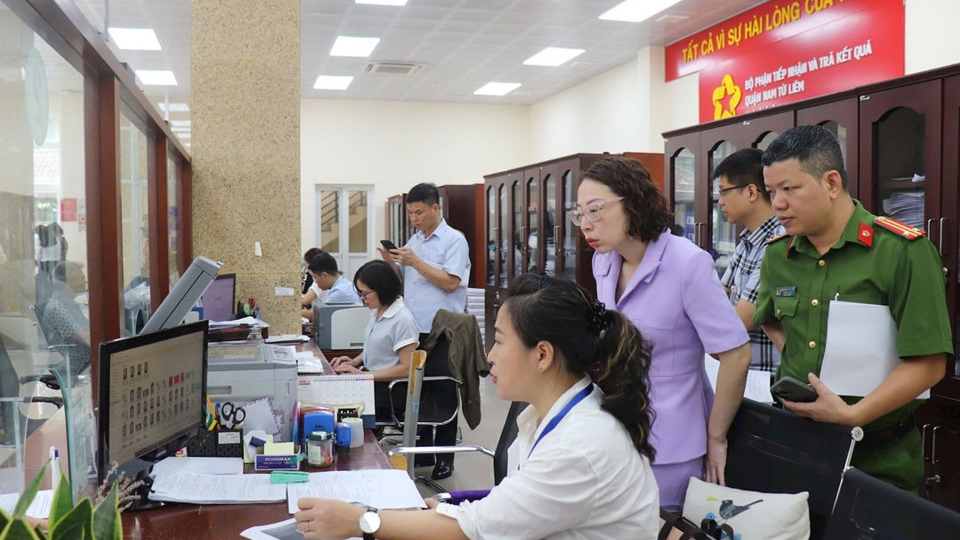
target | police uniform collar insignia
[
  {"x": 778, "y": 237},
  {"x": 904, "y": 230},
  {"x": 865, "y": 235}
]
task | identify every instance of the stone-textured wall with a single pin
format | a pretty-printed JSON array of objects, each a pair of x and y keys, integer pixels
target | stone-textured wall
[{"x": 246, "y": 147}]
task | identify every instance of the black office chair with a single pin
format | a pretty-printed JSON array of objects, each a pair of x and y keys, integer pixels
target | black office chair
[
  {"x": 10, "y": 383},
  {"x": 870, "y": 509},
  {"x": 775, "y": 451}
]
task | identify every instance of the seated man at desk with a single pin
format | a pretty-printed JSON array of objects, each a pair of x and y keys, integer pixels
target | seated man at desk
[
  {"x": 327, "y": 277},
  {"x": 391, "y": 335},
  {"x": 63, "y": 319}
]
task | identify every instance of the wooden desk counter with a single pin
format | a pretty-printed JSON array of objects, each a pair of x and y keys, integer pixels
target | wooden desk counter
[{"x": 226, "y": 521}]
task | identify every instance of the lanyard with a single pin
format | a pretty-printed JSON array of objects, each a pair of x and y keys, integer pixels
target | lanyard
[{"x": 556, "y": 419}]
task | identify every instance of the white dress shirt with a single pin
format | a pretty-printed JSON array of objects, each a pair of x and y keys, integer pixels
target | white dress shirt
[
  {"x": 447, "y": 250},
  {"x": 585, "y": 480}
]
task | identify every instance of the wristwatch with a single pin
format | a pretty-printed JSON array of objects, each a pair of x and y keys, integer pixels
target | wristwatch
[{"x": 370, "y": 522}]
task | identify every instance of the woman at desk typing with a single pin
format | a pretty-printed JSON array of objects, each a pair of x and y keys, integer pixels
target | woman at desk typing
[
  {"x": 580, "y": 466},
  {"x": 391, "y": 335}
]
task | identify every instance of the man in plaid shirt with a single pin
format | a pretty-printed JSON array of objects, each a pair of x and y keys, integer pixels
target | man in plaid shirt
[{"x": 745, "y": 202}]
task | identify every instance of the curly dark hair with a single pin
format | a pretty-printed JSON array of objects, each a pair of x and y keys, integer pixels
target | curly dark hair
[
  {"x": 648, "y": 213},
  {"x": 611, "y": 350}
]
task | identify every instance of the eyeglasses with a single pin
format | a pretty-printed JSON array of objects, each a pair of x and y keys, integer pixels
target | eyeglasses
[
  {"x": 592, "y": 211},
  {"x": 720, "y": 192},
  {"x": 363, "y": 294}
]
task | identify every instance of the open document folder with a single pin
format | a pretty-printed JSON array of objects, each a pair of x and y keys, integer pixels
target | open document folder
[{"x": 861, "y": 348}]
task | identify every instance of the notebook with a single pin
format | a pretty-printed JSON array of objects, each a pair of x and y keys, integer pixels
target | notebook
[{"x": 339, "y": 390}]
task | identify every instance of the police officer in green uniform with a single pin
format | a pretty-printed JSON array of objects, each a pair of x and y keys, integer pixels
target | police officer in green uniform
[{"x": 833, "y": 246}]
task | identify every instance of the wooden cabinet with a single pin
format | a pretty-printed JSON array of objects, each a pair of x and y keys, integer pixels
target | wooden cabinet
[
  {"x": 527, "y": 227},
  {"x": 398, "y": 228},
  {"x": 462, "y": 207},
  {"x": 901, "y": 144}
]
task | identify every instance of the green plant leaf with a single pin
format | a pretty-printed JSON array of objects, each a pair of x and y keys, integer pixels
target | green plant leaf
[
  {"x": 76, "y": 524},
  {"x": 4, "y": 520},
  {"x": 29, "y": 493},
  {"x": 106, "y": 518},
  {"x": 62, "y": 501},
  {"x": 18, "y": 529}
]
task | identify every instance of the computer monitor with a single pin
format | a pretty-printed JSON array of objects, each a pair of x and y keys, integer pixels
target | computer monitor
[
  {"x": 151, "y": 399},
  {"x": 184, "y": 296},
  {"x": 220, "y": 298}
]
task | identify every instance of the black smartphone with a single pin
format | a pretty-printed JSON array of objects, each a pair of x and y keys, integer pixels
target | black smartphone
[
  {"x": 388, "y": 245},
  {"x": 790, "y": 389}
]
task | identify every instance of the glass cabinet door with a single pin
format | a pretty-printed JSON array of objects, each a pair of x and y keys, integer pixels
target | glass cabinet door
[
  {"x": 723, "y": 234},
  {"x": 491, "y": 236},
  {"x": 502, "y": 206},
  {"x": 570, "y": 233},
  {"x": 550, "y": 220},
  {"x": 900, "y": 132},
  {"x": 518, "y": 240},
  {"x": 683, "y": 165},
  {"x": 532, "y": 255}
]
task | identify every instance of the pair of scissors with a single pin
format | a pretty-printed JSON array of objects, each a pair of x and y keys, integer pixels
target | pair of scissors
[{"x": 231, "y": 416}]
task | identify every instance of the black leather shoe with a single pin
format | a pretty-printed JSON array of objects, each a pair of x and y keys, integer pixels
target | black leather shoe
[{"x": 441, "y": 470}]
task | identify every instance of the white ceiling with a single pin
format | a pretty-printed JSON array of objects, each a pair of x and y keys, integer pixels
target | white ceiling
[{"x": 464, "y": 43}]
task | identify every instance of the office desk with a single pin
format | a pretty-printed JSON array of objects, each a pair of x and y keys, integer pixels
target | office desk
[{"x": 226, "y": 521}]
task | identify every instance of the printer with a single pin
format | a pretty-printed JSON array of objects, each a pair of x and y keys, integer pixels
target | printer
[
  {"x": 243, "y": 372},
  {"x": 339, "y": 326}
]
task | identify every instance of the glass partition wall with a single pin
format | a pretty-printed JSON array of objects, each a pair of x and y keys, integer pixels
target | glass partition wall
[{"x": 74, "y": 224}]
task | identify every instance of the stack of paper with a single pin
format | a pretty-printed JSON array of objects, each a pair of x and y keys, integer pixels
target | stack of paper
[
  {"x": 186, "y": 487},
  {"x": 380, "y": 488},
  {"x": 200, "y": 465},
  {"x": 39, "y": 508}
]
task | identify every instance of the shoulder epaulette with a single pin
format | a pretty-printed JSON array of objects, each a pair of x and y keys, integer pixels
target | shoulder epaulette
[
  {"x": 779, "y": 237},
  {"x": 902, "y": 229}
]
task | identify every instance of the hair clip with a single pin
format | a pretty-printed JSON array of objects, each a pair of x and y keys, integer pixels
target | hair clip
[{"x": 599, "y": 320}]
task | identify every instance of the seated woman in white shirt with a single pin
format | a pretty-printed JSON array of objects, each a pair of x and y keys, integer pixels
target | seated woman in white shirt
[
  {"x": 580, "y": 466},
  {"x": 392, "y": 333}
]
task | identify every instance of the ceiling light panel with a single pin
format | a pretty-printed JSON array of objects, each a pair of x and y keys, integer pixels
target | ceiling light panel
[
  {"x": 135, "y": 39},
  {"x": 331, "y": 82},
  {"x": 359, "y": 47},
  {"x": 383, "y": 2},
  {"x": 553, "y": 56},
  {"x": 496, "y": 89},
  {"x": 636, "y": 10},
  {"x": 156, "y": 78}
]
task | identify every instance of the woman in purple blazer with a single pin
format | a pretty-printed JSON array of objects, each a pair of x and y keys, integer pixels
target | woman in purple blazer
[{"x": 669, "y": 289}]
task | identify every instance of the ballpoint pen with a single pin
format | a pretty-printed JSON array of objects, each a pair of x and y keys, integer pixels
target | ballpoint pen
[{"x": 54, "y": 468}]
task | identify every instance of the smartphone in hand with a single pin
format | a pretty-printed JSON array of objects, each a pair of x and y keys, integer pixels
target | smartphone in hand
[
  {"x": 388, "y": 245},
  {"x": 790, "y": 389}
]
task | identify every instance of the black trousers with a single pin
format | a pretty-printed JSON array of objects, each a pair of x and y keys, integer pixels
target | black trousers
[{"x": 445, "y": 435}]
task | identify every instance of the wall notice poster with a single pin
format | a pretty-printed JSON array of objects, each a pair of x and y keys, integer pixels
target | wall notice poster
[
  {"x": 68, "y": 209},
  {"x": 782, "y": 52}
]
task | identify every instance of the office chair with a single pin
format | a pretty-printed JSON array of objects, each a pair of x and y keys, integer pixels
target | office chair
[
  {"x": 775, "y": 451},
  {"x": 10, "y": 383},
  {"x": 507, "y": 435},
  {"x": 868, "y": 509},
  {"x": 438, "y": 403}
]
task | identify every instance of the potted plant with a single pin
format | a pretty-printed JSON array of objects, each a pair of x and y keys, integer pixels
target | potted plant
[{"x": 67, "y": 521}]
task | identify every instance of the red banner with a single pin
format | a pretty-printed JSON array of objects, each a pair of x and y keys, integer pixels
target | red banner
[{"x": 780, "y": 53}]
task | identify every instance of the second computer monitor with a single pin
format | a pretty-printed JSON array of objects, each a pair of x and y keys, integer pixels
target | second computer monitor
[{"x": 220, "y": 298}]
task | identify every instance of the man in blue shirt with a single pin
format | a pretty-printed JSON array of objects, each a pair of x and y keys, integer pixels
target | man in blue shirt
[
  {"x": 327, "y": 277},
  {"x": 435, "y": 266}
]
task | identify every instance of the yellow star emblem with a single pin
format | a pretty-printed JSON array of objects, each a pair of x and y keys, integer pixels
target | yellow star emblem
[{"x": 727, "y": 89}]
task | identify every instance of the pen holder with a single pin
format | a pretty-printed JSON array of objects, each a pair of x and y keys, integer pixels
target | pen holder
[{"x": 217, "y": 443}]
